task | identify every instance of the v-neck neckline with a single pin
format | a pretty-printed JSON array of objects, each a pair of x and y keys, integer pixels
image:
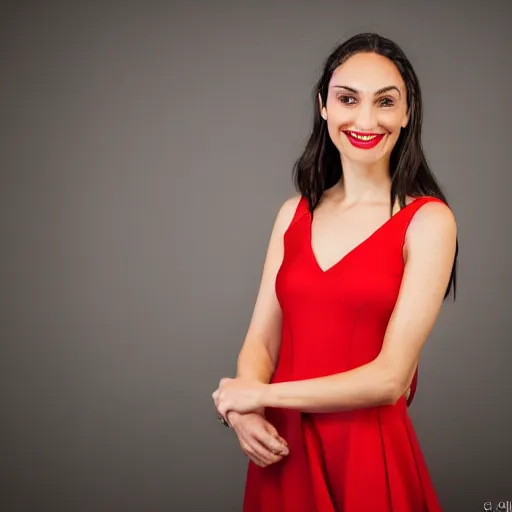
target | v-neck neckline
[{"x": 356, "y": 247}]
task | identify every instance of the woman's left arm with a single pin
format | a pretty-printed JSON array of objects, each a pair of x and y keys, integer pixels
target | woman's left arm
[{"x": 430, "y": 245}]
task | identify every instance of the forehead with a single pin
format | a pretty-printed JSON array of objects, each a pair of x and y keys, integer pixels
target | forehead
[{"x": 367, "y": 72}]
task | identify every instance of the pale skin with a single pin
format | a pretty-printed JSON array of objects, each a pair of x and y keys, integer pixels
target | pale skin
[{"x": 347, "y": 214}]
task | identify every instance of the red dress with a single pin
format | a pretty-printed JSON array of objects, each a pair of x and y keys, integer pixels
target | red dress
[{"x": 362, "y": 460}]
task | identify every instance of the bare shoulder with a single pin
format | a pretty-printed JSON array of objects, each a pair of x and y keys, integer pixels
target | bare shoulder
[
  {"x": 433, "y": 226},
  {"x": 434, "y": 216},
  {"x": 286, "y": 212}
]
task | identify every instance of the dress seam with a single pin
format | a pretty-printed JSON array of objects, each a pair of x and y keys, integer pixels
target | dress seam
[
  {"x": 385, "y": 461},
  {"x": 418, "y": 473}
]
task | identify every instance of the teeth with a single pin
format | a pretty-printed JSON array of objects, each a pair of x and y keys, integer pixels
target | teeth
[{"x": 362, "y": 137}]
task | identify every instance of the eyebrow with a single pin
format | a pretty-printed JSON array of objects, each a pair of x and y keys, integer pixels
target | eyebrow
[{"x": 380, "y": 91}]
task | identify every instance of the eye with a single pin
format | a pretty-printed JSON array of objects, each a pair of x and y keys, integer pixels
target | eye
[
  {"x": 346, "y": 100},
  {"x": 386, "y": 102}
]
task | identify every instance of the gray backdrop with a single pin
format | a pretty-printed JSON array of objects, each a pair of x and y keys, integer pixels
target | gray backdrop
[{"x": 145, "y": 150}]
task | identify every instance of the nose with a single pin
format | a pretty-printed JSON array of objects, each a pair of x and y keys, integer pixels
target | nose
[{"x": 365, "y": 119}]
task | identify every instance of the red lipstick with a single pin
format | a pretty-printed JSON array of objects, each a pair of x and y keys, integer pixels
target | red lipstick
[{"x": 368, "y": 140}]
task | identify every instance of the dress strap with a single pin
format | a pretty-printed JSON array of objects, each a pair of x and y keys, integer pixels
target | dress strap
[
  {"x": 300, "y": 210},
  {"x": 419, "y": 202},
  {"x": 411, "y": 209}
]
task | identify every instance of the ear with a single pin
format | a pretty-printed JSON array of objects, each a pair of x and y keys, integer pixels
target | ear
[
  {"x": 323, "y": 110},
  {"x": 405, "y": 120}
]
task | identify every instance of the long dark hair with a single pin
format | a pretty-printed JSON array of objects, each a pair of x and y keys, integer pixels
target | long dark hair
[{"x": 319, "y": 167}]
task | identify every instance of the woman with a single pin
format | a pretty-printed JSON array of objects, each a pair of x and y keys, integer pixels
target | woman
[{"x": 347, "y": 300}]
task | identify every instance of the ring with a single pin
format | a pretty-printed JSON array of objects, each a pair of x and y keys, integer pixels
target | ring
[{"x": 223, "y": 421}]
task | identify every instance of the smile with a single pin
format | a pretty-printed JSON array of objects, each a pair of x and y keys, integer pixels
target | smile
[{"x": 364, "y": 140}]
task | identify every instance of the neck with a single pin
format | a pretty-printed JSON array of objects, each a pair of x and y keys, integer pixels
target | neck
[{"x": 363, "y": 182}]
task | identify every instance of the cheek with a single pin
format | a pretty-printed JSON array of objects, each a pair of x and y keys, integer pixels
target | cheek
[
  {"x": 335, "y": 128},
  {"x": 340, "y": 118},
  {"x": 390, "y": 121}
]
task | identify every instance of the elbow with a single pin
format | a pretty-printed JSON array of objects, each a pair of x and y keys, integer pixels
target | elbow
[
  {"x": 392, "y": 385},
  {"x": 397, "y": 390},
  {"x": 393, "y": 398},
  {"x": 387, "y": 384}
]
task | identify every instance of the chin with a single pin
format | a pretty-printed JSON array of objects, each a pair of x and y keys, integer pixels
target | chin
[{"x": 364, "y": 156}]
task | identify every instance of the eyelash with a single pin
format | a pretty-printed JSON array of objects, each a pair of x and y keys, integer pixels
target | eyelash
[{"x": 344, "y": 97}]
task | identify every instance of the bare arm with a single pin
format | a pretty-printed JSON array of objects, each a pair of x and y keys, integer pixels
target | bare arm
[
  {"x": 258, "y": 356},
  {"x": 431, "y": 239},
  {"x": 257, "y": 359}
]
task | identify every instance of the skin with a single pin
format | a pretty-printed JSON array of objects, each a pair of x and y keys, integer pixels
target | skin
[{"x": 348, "y": 213}]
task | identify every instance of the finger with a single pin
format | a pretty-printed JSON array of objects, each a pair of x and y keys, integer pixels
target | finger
[
  {"x": 222, "y": 409},
  {"x": 231, "y": 416},
  {"x": 262, "y": 454},
  {"x": 269, "y": 458},
  {"x": 274, "y": 446},
  {"x": 270, "y": 428},
  {"x": 254, "y": 448},
  {"x": 266, "y": 445},
  {"x": 272, "y": 443},
  {"x": 273, "y": 432},
  {"x": 258, "y": 462},
  {"x": 252, "y": 454},
  {"x": 282, "y": 439}
]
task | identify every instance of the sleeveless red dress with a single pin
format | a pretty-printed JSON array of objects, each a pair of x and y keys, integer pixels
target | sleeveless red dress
[{"x": 362, "y": 460}]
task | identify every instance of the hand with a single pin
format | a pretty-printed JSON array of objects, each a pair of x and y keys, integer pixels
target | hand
[
  {"x": 239, "y": 395},
  {"x": 258, "y": 438}
]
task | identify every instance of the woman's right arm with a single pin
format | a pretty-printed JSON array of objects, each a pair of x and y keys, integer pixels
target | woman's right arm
[
  {"x": 260, "y": 350},
  {"x": 258, "y": 356}
]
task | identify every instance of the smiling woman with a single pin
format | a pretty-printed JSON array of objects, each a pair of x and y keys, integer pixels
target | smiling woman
[
  {"x": 360, "y": 115},
  {"x": 357, "y": 269}
]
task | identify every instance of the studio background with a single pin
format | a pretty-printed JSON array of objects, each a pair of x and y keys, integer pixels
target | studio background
[{"x": 145, "y": 150}]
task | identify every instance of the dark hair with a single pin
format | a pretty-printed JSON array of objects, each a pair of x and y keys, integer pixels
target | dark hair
[{"x": 319, "y": 167}]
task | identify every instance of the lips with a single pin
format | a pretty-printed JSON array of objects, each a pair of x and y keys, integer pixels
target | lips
[{"x": 364, "y": 140}]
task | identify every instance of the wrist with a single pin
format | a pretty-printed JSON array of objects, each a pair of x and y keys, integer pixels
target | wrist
[
  {"x": 265, "y": 399},
  {"x": 232, "y": 416}
]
